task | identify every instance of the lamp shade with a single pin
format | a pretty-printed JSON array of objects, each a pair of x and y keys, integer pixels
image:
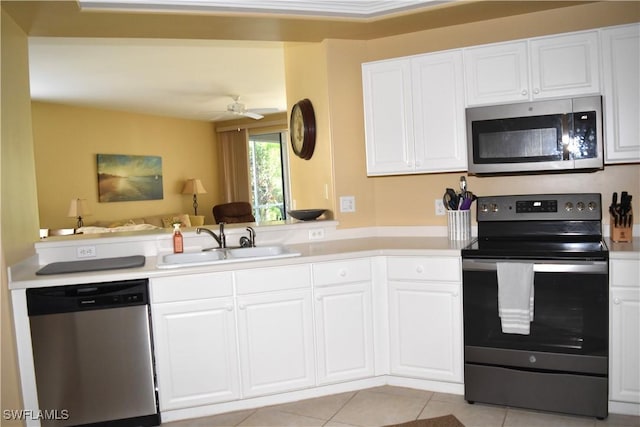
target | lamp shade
[
  {"x": 78, "y": 207},
  {"x": 193, "y": 186}
]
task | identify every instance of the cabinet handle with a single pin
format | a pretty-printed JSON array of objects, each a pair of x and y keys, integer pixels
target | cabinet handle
[
  {"x": 229, "y": 307},
  {"x": 342, "y": 272},
  {"x": 536, "y": 91},
  {"x": 616, "y": 301},
  {"x": 524, "y": 92},
  {"x": 318, "y": 298},
  {"x": 455, "y": 294},
  {"x": 241, "y": 306},
  {"x": 419, "y": 269}
]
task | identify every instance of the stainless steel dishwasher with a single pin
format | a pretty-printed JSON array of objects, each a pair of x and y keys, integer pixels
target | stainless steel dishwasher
[{"x": 92, "y": 352}]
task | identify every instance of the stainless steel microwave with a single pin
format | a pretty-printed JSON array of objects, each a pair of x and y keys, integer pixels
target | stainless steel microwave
[{"x": 555, "y": 135}]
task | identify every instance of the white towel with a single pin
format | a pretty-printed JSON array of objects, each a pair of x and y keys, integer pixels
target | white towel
[{"x": 515, "y": 297}]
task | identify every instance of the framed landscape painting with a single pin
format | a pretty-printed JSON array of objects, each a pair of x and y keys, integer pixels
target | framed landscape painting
[{"x": 124, "y": 178}]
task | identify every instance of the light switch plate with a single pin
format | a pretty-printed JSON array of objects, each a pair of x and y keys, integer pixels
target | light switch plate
[
  {"x": 347, "y": 204},
  {"x": 439, "y": 207}
]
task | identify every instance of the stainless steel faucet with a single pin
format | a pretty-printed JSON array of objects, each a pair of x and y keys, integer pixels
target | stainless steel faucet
[
  {"x": 248, "y": 242},
  {"x": 220, "y": 237}
]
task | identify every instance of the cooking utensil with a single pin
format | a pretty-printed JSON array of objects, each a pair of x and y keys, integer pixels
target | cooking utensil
[{"x": 451, "y": 200}]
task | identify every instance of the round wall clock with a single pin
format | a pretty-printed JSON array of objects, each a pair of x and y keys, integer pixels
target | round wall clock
[{"x": 302, "y": 127}]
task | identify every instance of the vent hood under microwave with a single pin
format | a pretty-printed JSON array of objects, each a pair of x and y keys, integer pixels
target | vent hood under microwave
[{"x": 559, "y": 135}]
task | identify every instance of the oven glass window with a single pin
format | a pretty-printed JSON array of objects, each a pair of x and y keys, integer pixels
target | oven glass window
[{"x": 570, "y": 314}]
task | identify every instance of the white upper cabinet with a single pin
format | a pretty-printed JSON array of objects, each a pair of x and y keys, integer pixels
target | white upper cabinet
[
  {"x": 497, "y": 73},
  {"x": 621, "y": 79},
  {"x": 388, "y": 116},
  {"x": 545, "y": 67},
  {"x": 414, "y": 114}
]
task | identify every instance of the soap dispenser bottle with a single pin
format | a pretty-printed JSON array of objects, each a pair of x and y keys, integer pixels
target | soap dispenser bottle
[{"x": 178, "y": 243}]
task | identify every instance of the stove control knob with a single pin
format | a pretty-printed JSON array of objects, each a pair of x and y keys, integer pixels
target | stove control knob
[
  {"x": 484, "y": 207},
  {"x": 494, "y": 207},
  {"x": 592, "y": 206},
  {"x": 580, "y": 206},
  {"x": 568, "y": 206}
]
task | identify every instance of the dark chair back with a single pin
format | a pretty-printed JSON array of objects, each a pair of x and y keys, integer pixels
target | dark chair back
[{"x": 233, "y": 212}]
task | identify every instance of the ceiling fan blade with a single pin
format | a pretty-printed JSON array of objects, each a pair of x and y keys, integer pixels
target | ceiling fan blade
[{"x": 255, "y": 116}]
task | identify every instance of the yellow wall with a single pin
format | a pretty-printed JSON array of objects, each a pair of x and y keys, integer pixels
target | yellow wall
[
  {"x": 306, "y": 77},
  {"x": 409, "y": 200},
  {"x": 67, "y": 140},
  {"x": 19, "y": 206}
]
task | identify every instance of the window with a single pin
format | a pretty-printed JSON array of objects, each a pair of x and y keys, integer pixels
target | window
[{"x": 268, "y": 167}]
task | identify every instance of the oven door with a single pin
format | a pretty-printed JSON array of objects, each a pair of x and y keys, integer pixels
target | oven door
[{"x": 569, "y": 331}]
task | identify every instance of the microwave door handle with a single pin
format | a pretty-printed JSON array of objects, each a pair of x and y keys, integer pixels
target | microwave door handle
[
  {"x": 593, "y": 267},
  {"x": 566, "y": 136}
]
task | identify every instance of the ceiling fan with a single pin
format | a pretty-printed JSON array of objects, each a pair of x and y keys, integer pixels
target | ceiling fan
[{"x": 236, "y": 107}]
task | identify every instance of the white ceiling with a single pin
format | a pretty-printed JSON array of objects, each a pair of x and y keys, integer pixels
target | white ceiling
[
  {"x": 185, "y": 78},
  {"x": 329, "y": 8},
  {"x": 180, "y": 78}
]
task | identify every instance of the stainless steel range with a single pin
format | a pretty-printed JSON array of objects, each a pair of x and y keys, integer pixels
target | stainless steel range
[{"x": 535, "y": 298}]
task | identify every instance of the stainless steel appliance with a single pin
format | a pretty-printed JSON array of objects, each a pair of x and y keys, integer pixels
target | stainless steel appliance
[
  {"x": 560, "y": 363},
  {"x": 92, "y": 353},
  {"x": 554, "y": 135}
]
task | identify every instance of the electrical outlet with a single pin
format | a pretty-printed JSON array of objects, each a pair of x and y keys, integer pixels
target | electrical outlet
[
  {"x": 86, "y": 252},
  {"x": 316, "y": 234},
  {"x": 440, "y": 207},
  {"x": 347, "y": 204}
]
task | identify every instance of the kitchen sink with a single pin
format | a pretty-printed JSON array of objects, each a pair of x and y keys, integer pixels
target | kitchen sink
[
  {"x": 226, "y": 255},
  {"x": 193, "y": 257},
  {"x": 261, "y": 252}
]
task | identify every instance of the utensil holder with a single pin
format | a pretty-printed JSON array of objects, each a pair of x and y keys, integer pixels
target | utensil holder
[
  {"x": 459, "y": 225},
  {"x": 620, "y": 233}
]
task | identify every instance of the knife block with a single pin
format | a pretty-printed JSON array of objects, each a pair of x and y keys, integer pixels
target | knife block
[{"x": 620, "y": 233}]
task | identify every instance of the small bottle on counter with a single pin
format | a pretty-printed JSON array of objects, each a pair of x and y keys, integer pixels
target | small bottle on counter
[{"x": 178, "y": 243}]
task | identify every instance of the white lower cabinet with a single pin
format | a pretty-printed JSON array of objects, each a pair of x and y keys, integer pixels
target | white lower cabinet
[
  {"x": 624, "y": 375},
  {"x": 195, "y": 342},
  {"x": 425, "y": 317},
  {"x": 343, "y": 320},
  {"x": 275, "y": 330}
]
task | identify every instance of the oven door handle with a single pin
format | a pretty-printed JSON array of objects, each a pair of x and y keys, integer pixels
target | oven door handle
[{"x": 589, "y": 267}]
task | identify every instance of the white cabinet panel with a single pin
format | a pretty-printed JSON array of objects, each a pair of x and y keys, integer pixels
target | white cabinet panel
[
  {"x": 497, "y": 73},
  {"x": 564, "y": 65},
  {"x": 195, "y": 348},
  {"x": 388, "y": 116},
  {"x": 426, "y": 330},
  {"x": 275, "y": 331},
  {"x": 344, "y": 332},
  {"x": 624, "y": 376},
  {"x": 414, "y": 114},
  {"x": 438, "y": 111},
  {"x": 621, "y": 77}
]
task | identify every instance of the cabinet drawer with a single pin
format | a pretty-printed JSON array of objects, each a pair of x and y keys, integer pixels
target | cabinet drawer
[
  {"x": 272, "y": 279},
  {"x": 423, "y": 268},
  {"x": 339, "y": 272},
  {"x": 625, "y": 272},
  {"x": 191, "y": 287}
]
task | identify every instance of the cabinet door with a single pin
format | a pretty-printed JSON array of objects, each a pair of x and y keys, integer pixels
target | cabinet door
[
  {"x": 344, "y": 332},
  {"x": 195, "y": 348},
  {"x": 621, "y": 68},
  {"x": 276, "y": 342},
  {"x": 624, "y": 376},
  {"x": 438, "y": 112},
  {"x": 497, "y": 73},
  {"x": 566, "y": 65},
  {"x": 388, "y": 116},
  {"x": 425, "y": 330}
]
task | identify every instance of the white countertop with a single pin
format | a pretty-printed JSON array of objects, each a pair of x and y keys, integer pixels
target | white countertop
[{"x": 23, "y": 275}]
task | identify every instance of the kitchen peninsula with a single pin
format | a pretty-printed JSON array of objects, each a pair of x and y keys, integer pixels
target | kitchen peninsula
[{"x": 390, "y": 284}]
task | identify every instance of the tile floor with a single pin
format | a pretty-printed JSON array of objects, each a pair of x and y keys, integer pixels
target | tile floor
[{"x": 385, "y": 405}]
